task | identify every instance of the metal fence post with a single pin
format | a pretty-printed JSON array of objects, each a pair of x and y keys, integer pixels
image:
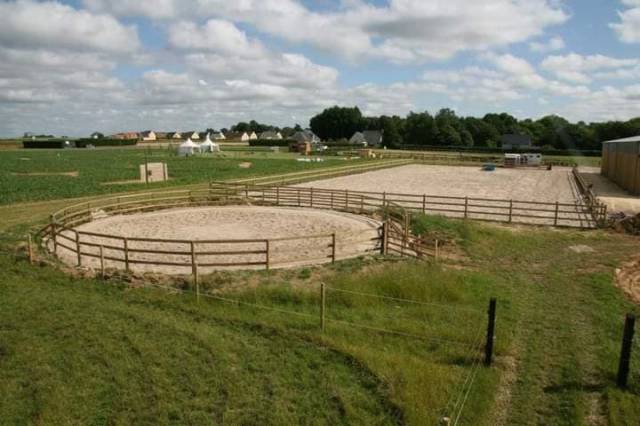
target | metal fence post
[
  {"x": 625, "y": 351},
  {"x": 491, "y": 326}
]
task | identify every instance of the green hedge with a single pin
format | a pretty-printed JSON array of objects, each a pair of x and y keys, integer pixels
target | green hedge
[
  {"x": 271, "y": 142},
  {"x": 44, "y": 144},
  {"x": 82, "y": 143}
]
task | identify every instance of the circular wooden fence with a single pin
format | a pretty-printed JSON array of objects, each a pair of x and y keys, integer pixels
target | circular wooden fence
[{"x": 96, "y": 250}]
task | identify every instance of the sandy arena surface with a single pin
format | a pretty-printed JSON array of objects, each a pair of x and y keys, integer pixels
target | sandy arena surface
[
  {"x": 521, "y": 184},
  {"x": 460, "y": 181},
  {"x": 354, "y": 237}
]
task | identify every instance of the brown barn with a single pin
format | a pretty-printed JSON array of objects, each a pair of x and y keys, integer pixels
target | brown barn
[{"x": 621, "y": 163}]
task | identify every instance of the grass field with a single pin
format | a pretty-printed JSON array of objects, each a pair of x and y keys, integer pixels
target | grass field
[
  {"x": 78, "y": 350},
  {"x": 31, "y": 175}
]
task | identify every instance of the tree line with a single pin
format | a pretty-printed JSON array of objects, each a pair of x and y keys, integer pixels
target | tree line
[{"x": 445, "y": 128}]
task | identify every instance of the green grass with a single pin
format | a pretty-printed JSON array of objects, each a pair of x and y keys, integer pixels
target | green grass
[
  {"x": 78, "y": 350},
  {"x": 100, "y": 166}
]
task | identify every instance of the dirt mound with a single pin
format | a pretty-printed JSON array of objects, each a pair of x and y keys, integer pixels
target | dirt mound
[
  {"x": 625, "y": 224},
  {"x": 628, "y": 279}
]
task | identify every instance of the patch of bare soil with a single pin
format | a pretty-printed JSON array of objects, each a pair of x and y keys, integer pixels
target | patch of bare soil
[
  {"x": 581, "y": 248},
  {"x": 70, "y": 174},
  {"x": 628, "y": 279}
]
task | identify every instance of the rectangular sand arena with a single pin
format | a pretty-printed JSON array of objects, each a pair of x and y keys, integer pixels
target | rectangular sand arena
[
  {"x": 523, "y": 184},
  {"x": 505, "y": 195}
]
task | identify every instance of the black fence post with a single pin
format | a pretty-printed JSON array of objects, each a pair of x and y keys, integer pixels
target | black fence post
[
  {"x": 625, "y": 352},
  {"x": 491, "y": 328}
]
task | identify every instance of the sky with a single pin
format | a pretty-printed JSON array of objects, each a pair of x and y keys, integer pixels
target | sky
[{"x": 71, "y": 67}]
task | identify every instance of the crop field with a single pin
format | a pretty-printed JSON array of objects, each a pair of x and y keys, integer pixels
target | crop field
[{"x": 31, "y": 175}]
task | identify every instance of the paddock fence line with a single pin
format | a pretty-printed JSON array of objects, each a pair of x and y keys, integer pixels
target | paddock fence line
[
  {"x": 94, "y": 249},
  {"x": 583, "y": 215},
  {"x": 597, "y": 208}
]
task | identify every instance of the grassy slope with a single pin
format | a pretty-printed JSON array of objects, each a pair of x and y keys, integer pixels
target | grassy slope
[
  {"x": 559, "y": 327},
  {"x": 123, "y": 164}
]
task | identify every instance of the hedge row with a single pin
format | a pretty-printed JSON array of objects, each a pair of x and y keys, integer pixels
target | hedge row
[
  {"x": 82, "y": 143},
  {"x": 271, "y": 142}
]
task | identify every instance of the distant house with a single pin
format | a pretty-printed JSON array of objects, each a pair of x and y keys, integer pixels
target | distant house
[
  {"x": 305, "y": 136},
  {"x": 125, "y": 135},
  {"x": 162, "y": 135},
  {"x": 176, "y": 135},
  {"x": 270, "y": 135},
  {"x": 253, "y": 136},
  {"x": 218, "y": 136},
  {"x": 367, "y": 138},
  {"x": 237, "y": 136},
  {"x": 191, "y": 135},
  {"x": 148, "y": 135},
  {"x": 512, "y": 141}
]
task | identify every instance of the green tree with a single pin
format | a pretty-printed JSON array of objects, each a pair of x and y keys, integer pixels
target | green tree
[{"x": 337, "y": 123}]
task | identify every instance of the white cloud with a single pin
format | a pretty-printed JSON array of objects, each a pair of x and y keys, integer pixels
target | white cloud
[
  {"x": 556, "y": 43},
  {"x": 584, "y": 69},
  {"x": 628, "y": 29},
  {"x": 28, "y": 24},
  {"x": 402, "y": 31},
  {"x": 214, "y": 36}
]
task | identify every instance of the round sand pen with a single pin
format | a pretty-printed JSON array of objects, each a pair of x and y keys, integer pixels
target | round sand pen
[
  {"x": 229, "y": 226},
  {"x": 224, "y": 237}
]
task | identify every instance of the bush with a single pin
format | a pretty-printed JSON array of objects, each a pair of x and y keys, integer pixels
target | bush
[{"x": 271, "y": 142}]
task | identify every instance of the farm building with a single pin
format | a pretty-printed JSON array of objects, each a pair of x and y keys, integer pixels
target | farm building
[
  {"x": 367, "y": 138},
  {"x": 148, "y": 135},
  {"x": 305, "y": 136},
  {"x": 621, "y": 163},
  {"x": 270, "y": 135},
  {"x": 237, "y": 136}
]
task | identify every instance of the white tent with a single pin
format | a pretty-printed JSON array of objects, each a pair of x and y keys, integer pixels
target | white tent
[
  {"x": 188, "y": 148},
  {"x": 209, "y": 146}
]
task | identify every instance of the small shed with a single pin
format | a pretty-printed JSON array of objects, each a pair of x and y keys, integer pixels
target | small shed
[
  {"x": 153, "y": 172},
  {"x": 188, "y": 148},
  {"x": 621, "y": 163}
]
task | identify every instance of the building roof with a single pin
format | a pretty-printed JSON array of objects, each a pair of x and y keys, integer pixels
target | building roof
[
  {"x": 519, "y": 140},
  {"x": 305, "y": 136},
  {"x": 631, "y": 139},
  {"x": 147, "y": 133},
  {"x": 373, "y": 137}
]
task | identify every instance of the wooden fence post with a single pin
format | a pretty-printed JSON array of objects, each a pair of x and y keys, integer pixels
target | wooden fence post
[
  {"x": 510, "y": 211},
  {"x": 126, "y": 253},
  {"x": 311, "y": 196},
  {"x": 361, "y": 203},
  {"x": 346, "y": 197},
  {"x": 267, "y": 254},
  {"x": 102, "y": 271},
  {"x": 333, "y": 248},
  {"x": 466, "y": 207},
  {"x": 277, "y": 195},
  {"x": 625, "y": 351},
  {"x": 331, "y": 200},
  {"x": 30, "y": 248},
  {"x": 323, "y": 300},
  {"x": 383, "y": 241},
  {"x": 53, "y": 234},
  {"x": 555, "y": 219},
  {"x": 78, "y": 248},
  {"x": 424, "y": 203},
  {"x": 194, "y": 267},
  {"x": 437, "y": 249},
  {"x": 196, "y": 280},
  {"x": 298, "y": 197},
  {"x": 491, "y": 326}
]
